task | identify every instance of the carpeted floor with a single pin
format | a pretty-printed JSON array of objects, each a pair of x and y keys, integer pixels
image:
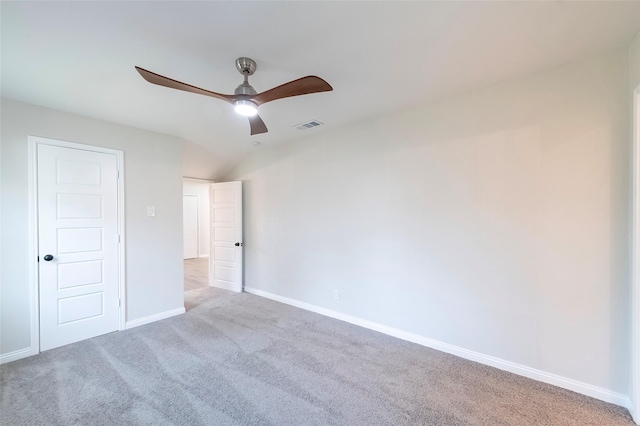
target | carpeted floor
[{"x": 238, "y": 359}]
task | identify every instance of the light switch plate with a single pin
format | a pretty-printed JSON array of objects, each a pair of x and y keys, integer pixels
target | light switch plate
[{"x": 151, "y": 211}]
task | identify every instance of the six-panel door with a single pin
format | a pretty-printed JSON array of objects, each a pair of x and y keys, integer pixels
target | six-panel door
[{"x": 78, "y": 227}]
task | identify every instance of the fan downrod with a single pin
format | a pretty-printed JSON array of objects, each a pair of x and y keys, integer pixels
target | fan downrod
[{"x": 246, "y": 66}]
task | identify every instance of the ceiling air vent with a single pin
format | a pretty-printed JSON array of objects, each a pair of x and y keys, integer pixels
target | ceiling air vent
[{"x": 308, "y": 125}]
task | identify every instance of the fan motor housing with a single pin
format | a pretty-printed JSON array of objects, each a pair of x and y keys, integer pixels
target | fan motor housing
[{"x": 245, "y": 89}]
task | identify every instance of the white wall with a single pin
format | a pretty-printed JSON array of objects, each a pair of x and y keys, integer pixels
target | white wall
[
  {"x": 634, "y": 82},
  {"x": 153, "y": 177},
  {"x": 634, "y": 62},
  {"x": 197, "y": 161},
  {"x": 496, "y": 221},
  {"x": 201, "y": 190}
]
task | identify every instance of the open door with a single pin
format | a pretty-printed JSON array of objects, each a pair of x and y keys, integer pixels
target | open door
[{"x": 226, "y": 236}]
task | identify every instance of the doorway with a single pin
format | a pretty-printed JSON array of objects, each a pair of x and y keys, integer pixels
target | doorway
[
  {"x": 196, "y": 234},
  {"x": 190, "y": 225},
  {"x": 77, "y": 239}
]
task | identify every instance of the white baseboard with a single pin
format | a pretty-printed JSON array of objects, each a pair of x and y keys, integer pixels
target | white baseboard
[
  {"x": 202, "y": 256},
  {"x": 512, "y": 367},
  {"x": 16, "y": 355},
  {"x": 635, "y": 414},
  {"x": 153, "y": 318},
  {"x": 23, "y": 353}
]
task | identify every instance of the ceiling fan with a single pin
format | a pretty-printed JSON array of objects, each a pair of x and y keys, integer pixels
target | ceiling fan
[{"x": 245, "y": 99}]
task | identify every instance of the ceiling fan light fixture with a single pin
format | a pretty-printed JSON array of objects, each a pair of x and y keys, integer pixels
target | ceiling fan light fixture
[
  {"x": 246, "y": 108},
  {"x": 245, "y": 99}
]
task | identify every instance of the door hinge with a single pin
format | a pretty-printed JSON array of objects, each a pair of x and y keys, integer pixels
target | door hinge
[
  {"x": 119, "y": 303},
  {"x": 38, "y": 258},
  {"x": 117, "y": 174},
  {"x": 118, "y": 238}
]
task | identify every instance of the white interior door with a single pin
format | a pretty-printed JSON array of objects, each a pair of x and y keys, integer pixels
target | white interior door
[
  {"x": 190, "y": 225},
  {"x": 226, "y": 236},
  {"x": 78, "y": 244}
]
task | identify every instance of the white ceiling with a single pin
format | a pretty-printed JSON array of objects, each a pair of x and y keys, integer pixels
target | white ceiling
[{"x": 379, "y": 57}]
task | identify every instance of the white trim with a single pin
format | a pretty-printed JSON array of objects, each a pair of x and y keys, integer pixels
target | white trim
[
  {"x": 635, "y": 262},
  {"x": 122, "y": 294},
  {"x": 153, "y": 318},
  {"x": 33, "y": 248},
  {"x": 203, "y": 256},
  {"x": 32, "y": 142},
  {"x": 198, "y": 180},
  {"x": 512, "y": 367},
  {"x": 16, "y": 355},
  {"x": 23, "y": 353}
]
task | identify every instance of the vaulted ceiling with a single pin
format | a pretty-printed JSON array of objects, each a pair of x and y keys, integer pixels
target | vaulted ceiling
[{"x": 379, "y": 57}]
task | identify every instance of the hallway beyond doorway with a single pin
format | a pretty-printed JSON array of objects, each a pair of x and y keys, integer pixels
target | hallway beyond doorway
[
  {"x": 196, "y": 281},
  {"x": 196, "y": 273}
]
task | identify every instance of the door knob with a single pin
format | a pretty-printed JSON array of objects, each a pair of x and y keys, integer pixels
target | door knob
[
  {"x": 238, "y": 244},
  {"x": 48, "y": 257}
]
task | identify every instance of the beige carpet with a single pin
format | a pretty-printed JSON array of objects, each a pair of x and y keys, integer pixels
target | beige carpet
[{"x": 239, "y": 359}]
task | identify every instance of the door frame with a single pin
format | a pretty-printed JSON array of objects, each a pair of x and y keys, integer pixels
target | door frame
[
  {"x": 34, "y": 287},
  {"x": 197, "y": 222},
  {"x": 635, "y": 261}
]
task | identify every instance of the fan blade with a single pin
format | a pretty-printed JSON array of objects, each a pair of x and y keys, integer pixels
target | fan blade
[
  {"x": 257, "y": 125},
  {"x": 301, "y": 86},
  {"x": 160, "y": 80}
]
